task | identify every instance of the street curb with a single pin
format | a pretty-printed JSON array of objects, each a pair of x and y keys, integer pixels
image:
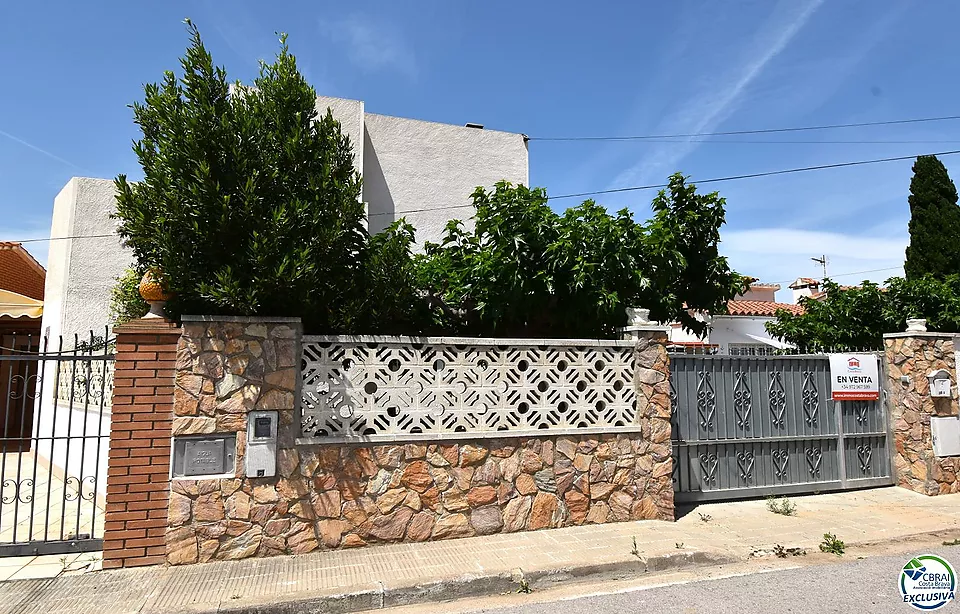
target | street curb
[{"x": 379, "y": 595}]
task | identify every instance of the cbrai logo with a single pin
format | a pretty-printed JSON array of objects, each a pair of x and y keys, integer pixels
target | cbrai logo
[{"x": 927, "y": 582}]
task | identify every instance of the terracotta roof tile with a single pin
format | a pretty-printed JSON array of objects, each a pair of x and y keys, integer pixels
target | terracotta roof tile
[{"x": 760, "y": 308}]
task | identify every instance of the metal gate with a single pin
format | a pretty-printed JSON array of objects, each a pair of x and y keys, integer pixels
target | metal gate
[
  {"x": 54, "y": 435},
  {"x": 755, "y": 426}
]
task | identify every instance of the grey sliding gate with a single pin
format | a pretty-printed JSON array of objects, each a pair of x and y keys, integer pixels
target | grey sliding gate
[{"x": 755, "y": 426}]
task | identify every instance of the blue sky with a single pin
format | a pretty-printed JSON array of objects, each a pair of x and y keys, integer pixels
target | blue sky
[{"x": 544, "y": 69}]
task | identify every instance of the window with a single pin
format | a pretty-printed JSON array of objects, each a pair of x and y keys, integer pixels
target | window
[{"x": 750, "y": 349}]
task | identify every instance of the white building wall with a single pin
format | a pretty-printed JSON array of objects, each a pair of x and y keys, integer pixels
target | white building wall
[
  {"x": 737, "y": 329},
  {"x": 80, "y": 274},
  {"x": 425, "y": 171}
]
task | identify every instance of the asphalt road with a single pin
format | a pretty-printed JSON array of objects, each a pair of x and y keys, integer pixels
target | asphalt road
[{"x": 867, "y": 585}]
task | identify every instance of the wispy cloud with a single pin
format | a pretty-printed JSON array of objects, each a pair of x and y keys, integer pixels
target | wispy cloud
[
  {"x": 29, "y": 145},
  {"x": 371, "y": 45},
  {"x": 782, "y": 254},
  {"x": 718, "y": 98}
]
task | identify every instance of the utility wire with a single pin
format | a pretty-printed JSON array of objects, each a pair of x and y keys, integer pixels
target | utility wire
[
  {"x": 60, "y": 238},
  {"x": 889, "y": 268},
  {"x": 755, "y": 175},
  {"x": 740, "y": 132},
  {"x": 791, "y": 142},
  {"x": 615, "y": 190}
]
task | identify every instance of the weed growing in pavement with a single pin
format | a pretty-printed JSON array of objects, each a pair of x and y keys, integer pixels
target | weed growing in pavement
[
  {"x": 705, "y": 517},
  {"x": 783, "y": 553},
  {"x": 524, "y": 585},
  {"x": 679, "y": 545},
  {"x": 955, "y": 542},
  {"x": 781, "y": 505},
  {"x": 635, "y": 551},
  {"x": 831, "y": 544}
]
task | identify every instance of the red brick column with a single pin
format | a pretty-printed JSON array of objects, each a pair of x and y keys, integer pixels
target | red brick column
[{"x": 138, "y": 474}]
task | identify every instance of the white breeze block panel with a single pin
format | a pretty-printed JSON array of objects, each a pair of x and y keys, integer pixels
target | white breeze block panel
[{"x": 393, "y": 388}]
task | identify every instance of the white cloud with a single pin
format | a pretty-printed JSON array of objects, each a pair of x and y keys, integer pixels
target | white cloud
[
  {"x": 780, "y": 255},
  {"x": 717, "y": 99},
  {"x": 370, "y": 45},
  {"x": 785, "y": 241}
]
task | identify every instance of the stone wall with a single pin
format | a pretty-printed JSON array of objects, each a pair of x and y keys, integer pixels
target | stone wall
[
  {"x": 339, "y": 496},
  {"x": 911, "y": 406}
]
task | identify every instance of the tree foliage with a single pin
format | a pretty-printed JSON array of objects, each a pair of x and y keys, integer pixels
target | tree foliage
[
  {"x": 250, "y": 203},
  {"x": 934, "y": 247},
  {"x": 525, "y": 270},
  {"x": 125, "y": 301},
  {"x": 857, "y": 318}
]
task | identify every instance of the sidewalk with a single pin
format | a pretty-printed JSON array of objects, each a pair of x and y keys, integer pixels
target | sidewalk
[{"x": 367, "y": 578}]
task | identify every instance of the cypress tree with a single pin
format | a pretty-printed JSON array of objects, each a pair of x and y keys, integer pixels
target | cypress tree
[{"x": 934, "y": 247}]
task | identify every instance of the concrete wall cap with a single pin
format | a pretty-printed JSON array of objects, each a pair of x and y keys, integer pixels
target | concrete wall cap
[
  {"x": 244, "y": 319},
  {"x": 927, "y": 335}
]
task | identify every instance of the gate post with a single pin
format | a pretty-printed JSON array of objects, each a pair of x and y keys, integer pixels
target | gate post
[
  {"x": 138, "y": 467},
  {"x": 909, "y": 358}
]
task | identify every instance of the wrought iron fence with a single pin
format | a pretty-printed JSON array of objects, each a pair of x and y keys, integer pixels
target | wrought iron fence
[
  {"x": 53, "y": 446},
  {"x": 394, "y": 388}
]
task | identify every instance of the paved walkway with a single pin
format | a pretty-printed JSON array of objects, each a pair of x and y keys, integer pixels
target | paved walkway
[
  {"x": 351, "y": 580},
  {"x": 38, "y": 505}
]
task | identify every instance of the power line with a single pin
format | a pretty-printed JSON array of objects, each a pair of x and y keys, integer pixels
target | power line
[
  {"x": 60, "y": 238},
  {"x": 755, "y": 175},
  {"x": 740, "y": 132},
  {"x": 791, "y": 142},
  {"x": 889, "y": 268}
]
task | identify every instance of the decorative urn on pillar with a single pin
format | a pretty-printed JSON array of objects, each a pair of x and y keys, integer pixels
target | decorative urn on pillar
[{"x": 153, "y": 289}]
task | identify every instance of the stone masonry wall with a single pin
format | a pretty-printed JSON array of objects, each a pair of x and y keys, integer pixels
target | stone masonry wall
[
  {"x": 911, "y": 407},
  {"x": 340, "y": 496}
]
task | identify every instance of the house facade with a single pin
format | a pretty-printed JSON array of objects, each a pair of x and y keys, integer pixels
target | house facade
[{"x": 741, "y": 331}]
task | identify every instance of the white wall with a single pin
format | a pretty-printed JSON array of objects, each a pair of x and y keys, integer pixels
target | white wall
[
  {"x": 412, "y": 165},
  {"x": 735, "y": 329},
  {"x": 81, "y": 272}
]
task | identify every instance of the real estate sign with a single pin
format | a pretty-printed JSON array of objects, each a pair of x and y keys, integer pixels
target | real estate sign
[{"x": 854, "y": 377}]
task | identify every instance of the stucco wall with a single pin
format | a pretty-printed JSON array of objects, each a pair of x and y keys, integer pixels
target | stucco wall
[
  {"x": 413, "y": 165},
  {"x": 737, "y": 329},
  {"x": 81, "y": 272}
]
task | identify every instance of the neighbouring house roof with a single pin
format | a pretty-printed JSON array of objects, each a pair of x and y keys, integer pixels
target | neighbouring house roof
[
  {"x": 13, "y": 305},
  {"x": 764, "y": 285},
  {"x": 803, "y": 282},
  {"x": 20, "y": 272},
  {"x": 760, "y": 308}
]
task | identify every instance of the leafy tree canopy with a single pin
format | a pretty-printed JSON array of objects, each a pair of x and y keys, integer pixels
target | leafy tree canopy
[
  {"x": 526, "y": 270},
  {"x": 857, "y": 318},
  {"x": 934, "y": 247},
  {"x": 250, "y": 205}
]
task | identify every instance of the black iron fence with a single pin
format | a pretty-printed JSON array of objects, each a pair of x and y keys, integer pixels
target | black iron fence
[{"x": 54, "y": 438}]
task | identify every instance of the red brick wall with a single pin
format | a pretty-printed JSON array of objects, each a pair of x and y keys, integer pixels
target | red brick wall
[
  {"x": 19, "y": 272},
  {"x": 138, "y": 474}
]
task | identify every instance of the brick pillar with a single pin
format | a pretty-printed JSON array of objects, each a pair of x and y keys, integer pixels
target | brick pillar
[
  {"x": 138, "y": 474},
  {"x": 909, "y": 357}
]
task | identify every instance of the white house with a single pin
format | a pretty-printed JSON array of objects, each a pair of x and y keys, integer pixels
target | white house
[
  {"x": 742, "y": 330},
  {"x": 423, "y": 171}
]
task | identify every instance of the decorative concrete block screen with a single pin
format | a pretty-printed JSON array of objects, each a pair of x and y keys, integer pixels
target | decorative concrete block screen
[{"x": 417, "y": 389}]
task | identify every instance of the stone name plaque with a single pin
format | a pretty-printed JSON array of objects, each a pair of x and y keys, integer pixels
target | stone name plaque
[{"x": 201, "y": 456}]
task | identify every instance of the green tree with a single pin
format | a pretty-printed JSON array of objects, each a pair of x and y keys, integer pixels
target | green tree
[
  {"x": 934, "y": 247},
  {"x": 526, "y": 270},
  {"x": 857, "y": 318},
  {"x": 249, "y": 203}
]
